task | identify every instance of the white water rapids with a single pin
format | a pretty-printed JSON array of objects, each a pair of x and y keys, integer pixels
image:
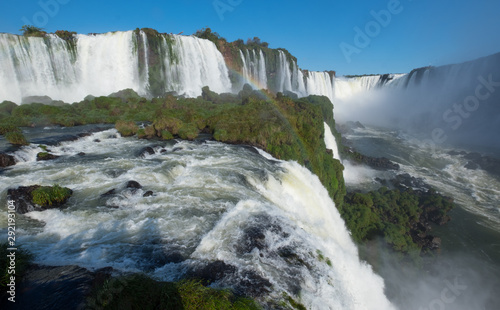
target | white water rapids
[{"x": 211, "y": 202}]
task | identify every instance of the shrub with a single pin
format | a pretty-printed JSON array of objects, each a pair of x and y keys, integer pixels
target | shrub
[
  {"x": 188, "y": 132},
  {"x": 166, "y": 135},
  {"x": 172, "y": 124},
  {"x": 126, "y": 128},
  {"x": 16, "y": 138},
  {"x": 49, "y": 195},
  {"x": 140, "y": 292},
  {"x": 32, "y": 31}
]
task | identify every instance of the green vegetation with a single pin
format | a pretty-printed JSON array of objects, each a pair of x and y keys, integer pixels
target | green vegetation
[
  {"x": 129, "y": 291},
  {"x": 32, "y": 31},
  {"x": 65, "y": 34},
  {"x": 126, "y": 128},
  {"x": 49, "y": 195},
  {"x": 16, "y": 138},
  {"x": 394, "y": 215},
  {"x": 286, "y": 128}
]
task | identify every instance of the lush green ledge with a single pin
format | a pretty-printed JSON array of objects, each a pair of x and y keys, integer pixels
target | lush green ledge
[{"x": 288, "y": 129}]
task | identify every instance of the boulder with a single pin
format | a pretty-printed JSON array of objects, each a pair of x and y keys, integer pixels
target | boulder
[
  {"x": 6, "y": 160},
  {"x": 45, "y": 156},
  {"x": 25, "y": 198},
  {"x": 133, "y": 184}
]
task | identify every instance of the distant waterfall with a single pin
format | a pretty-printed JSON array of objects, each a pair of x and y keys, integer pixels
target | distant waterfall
[
  {"x": 254, "y": 68},
  {"x": 105, "y": 63}
]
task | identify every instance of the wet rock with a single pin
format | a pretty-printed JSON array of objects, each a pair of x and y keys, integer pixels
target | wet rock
[
  {"x": 81, "y": 154},
  {"x": 403, "y": 181},
  {"x": 252, "y": 284},
  {"x": 329, "y": 152},
  {"x": 109, "y": 193},
  {"x": 471, "y": 165},
  {"x": 214, "y": 271},
  {"x": 6, "y": 160},
  {"x": 84, "y": 134},
  {"x": 37, "y": 99},
  {"x": 23, "y": 199},
  {"x": 148, "y": 194},
  {"x": 48, "y": 287},
  {"x": 133, "y": 184},
  {"x": 146, "y": 151},
  {"x": 254, "y": 237},
  {"x": 45, "y": 156},
  {"x": 97, "y": 140}
]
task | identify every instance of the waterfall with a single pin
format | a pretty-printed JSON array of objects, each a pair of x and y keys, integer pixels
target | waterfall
[
  {"x": 331, "y": 142},
  {"x": 101, "y": 64},
  {"x": 254, "y": 68},
  {"x": 267, "y": 219},
  {"x": 320, "y": 83}
]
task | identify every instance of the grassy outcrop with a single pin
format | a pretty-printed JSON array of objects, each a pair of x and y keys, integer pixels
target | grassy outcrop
[
  {"x": 286, "y": 128},
  {"x": 400, "y": 217},
  {"x": 126, "y": 291},
  {"x": 51, "y": 195}
]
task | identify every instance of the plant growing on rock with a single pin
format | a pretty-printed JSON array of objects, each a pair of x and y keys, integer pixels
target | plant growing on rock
[
  {"x": 50, "y": 195},
  {"x": 126, "y": 128}
]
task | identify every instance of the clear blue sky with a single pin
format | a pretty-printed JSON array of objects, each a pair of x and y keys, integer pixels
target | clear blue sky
[{"x": 419, "y": 33}]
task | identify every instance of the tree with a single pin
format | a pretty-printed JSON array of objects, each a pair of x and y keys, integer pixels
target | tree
[{"x": 32, "y": 31}]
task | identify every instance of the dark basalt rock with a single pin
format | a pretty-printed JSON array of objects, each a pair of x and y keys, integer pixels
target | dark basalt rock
[
  {"x": 109, "y": 193},
  {"x": 133, "y": 184},
  {"x": 62, "y": 287},
  {"x": 45, "y": 156},
  {"x": 22, "y": 198},
  {"x": 146, "y": 151},
  {"x": 404, "y": 181},
  {"x": 97, "y": 140},
  {"x": 148, "y": 194},
  {"x": 471, "y": 165},
  {"x": 329, "y": 152},
  {"x": 378, "y": 163},
  {"x": 24, "y": 202},
  {"x": 6, "y": 160},
  {"x": 213, "y": 272},
  {"x": 81, "y": 154}
]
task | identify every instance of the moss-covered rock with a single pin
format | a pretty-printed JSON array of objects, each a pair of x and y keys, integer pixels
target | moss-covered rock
[
  {"x": 126, "y": 128},
  {"x": 16, "y": 138},
  {"x": 46, "y": 196},
  {"x": 38, "y": 198}
]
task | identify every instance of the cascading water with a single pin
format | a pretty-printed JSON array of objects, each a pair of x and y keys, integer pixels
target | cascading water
[
  {"x": 320, "y": 83},
  {"x": 271, "y": 223},
  {"x": 105, "y": 63},
  {"x": 254, "y": 68},
  {"x": 331, "y": 142}
]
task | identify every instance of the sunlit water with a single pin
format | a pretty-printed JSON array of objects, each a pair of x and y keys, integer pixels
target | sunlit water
[{"x": 269, "y": 219}]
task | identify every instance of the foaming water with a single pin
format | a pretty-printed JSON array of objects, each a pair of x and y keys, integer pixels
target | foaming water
[
  {"x": 330, "y": 142},
  {"x": 271, "y": 220},
  {"x": 475, "y": 190}
]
